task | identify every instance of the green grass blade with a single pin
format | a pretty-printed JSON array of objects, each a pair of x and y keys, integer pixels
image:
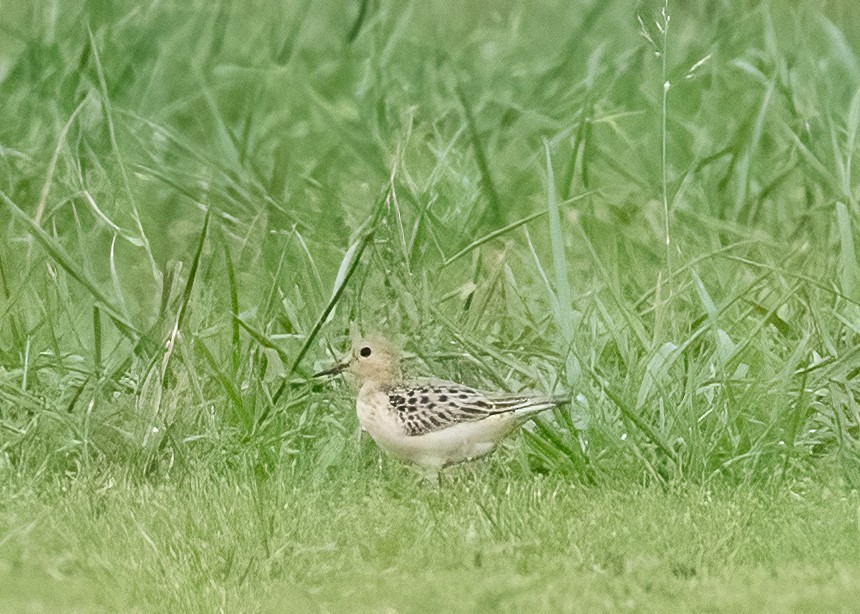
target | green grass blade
[
  {"x": 847, "y": 254},
  {"x": 220, "y": 376},
  {"x": 345, "y": 273},
  {"x": 192, "y": 274},
  {"x": 236, "y": 341},
  {"x": 492, "y": 215},
  {"x": 567, "y": 316},
  {"x": 261, "y": 339},
  {"x": 61, "y": 257},
  {"x": 97, "y": 341}
]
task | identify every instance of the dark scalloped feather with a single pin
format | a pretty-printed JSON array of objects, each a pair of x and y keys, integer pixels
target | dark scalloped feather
[{"x": 427, "y": 408}]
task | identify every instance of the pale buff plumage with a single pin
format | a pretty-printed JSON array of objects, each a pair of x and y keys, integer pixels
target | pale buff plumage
[{"x": 431, "y": 423}]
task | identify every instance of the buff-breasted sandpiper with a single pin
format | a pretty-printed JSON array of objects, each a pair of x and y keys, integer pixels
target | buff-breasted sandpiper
[{"x": 431, "y": 423}]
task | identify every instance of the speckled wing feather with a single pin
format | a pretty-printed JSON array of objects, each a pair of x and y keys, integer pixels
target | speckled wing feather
[{"x": 426, "y": 407}]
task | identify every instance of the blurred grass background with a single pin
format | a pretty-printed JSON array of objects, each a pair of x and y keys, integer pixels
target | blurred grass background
[{"x": 650, "y": 205}]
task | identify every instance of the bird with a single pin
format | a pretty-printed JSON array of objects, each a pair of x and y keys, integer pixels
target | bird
[{"x": 428, "y": 422}]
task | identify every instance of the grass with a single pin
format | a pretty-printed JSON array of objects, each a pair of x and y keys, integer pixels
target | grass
[
  {"x": 200, "y": 200},
  {"x": 475, "y": 545}
]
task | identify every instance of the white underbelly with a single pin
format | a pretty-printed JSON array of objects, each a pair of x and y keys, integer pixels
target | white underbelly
[{"x": 444, "y": 447}]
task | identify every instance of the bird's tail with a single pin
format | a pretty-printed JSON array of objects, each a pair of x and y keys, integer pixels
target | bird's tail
[{"x": 525, "y": 405}]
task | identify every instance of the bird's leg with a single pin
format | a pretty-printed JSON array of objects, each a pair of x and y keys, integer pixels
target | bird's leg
[{"x": 430, "y": 475}]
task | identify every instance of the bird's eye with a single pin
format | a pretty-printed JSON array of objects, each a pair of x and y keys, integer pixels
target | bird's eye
[{"x": 364, "y": 352}]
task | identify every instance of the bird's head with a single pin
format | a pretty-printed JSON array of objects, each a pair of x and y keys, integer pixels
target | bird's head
[{"x": 372, "y": 358}]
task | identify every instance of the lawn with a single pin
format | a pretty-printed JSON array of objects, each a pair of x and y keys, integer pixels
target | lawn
[{"x": 650, "y": 206}]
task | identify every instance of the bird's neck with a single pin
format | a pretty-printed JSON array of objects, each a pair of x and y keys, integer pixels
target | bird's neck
[{"x": 383, "y": 384}]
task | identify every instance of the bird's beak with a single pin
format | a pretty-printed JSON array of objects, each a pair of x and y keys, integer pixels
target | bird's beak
[{"x": 338, "y": 368}]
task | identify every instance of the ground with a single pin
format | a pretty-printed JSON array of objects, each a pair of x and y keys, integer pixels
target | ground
[{"x": 385, "y": 541}]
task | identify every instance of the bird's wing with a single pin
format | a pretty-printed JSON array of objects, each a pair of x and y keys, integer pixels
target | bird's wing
[{"x": 425, "y": 407}]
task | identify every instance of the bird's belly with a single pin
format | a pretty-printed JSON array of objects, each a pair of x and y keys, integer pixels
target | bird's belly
[{"x": 448, "y": 446}]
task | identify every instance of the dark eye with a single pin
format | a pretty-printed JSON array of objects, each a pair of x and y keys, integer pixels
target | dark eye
[{"x": 365, "y": 352}]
